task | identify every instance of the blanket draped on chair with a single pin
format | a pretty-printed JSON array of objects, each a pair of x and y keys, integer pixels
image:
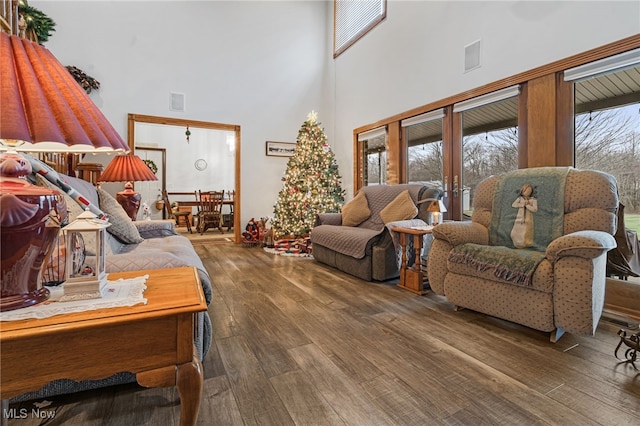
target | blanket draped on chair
[
  {"x": 528, "y": 212},
  {"x": 514, "y": 265},
  {"x": 532, "y": 221}
]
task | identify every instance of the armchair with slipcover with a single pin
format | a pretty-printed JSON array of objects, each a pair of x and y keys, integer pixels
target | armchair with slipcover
[
  {"x": 358, "y": 240},
  {"x": 535, "y": 250}
]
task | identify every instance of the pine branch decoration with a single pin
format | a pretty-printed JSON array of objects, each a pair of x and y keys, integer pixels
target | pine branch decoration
[{"x": 88, "y": 83}]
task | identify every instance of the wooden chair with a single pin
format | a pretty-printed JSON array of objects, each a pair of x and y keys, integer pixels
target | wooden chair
[
  {"x": 210, "y": 210},
  {"x": 227, "y": 218},
  {"x": 175, "y": 213}
]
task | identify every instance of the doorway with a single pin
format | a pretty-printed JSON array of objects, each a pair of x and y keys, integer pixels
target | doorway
[{"x": 200, "y": 155}]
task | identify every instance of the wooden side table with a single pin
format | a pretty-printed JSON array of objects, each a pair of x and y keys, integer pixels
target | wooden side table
[
  {"x": 412, "y": 277},
  {"x": 154, "y": 341}
]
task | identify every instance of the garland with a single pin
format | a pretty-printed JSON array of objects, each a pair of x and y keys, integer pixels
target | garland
[
  {"x": 37, "y": 21},
  {"x": 151, "y": 165}
]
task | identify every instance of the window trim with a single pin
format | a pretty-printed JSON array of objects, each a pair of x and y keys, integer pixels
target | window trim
[{"x": 337, "y": 51}]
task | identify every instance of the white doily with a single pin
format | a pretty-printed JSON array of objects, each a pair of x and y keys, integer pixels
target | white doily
[{"x": 117, "y": 293}]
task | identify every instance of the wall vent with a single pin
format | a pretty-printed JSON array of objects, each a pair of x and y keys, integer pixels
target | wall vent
[
  {"x": 472, "y": 56},
  {"x": 177, "y": 102}
]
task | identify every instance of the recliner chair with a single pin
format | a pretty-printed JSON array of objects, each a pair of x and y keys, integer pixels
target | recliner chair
[{"x": 554, "y": 285}]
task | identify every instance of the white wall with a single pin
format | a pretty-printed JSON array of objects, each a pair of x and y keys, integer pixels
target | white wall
[
  {"x": 258, "y": 64},
  {"x": 416, "y": 56}
]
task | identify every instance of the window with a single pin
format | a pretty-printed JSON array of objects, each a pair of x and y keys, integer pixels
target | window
[
  {"x": 353, "y": 19},
  {"x": 373, "y": 151},
  {"x": 607, "y": 124},
  {"x": 424, "y": 148},
  {"x": 489, "y": 140}
]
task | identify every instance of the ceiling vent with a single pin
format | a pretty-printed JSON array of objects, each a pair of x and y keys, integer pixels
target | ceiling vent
[
  {"x": 472, "y": 56},
  {"x": 177, "y": 102}
]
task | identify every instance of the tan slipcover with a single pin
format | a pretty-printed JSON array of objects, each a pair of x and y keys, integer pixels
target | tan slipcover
[{"x": 567, "y": 291}]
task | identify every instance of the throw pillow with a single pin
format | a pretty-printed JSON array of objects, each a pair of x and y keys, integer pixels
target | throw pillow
[
  {"x": 401, "y": 208},
  {"x": 121, "y": 225},
  {"x": 356, "y": 211}
]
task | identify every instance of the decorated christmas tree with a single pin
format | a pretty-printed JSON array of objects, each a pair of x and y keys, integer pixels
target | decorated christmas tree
[{"x": 311, "y": 182}]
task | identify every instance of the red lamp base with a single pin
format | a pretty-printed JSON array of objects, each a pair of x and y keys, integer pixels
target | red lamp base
[{"x": 30, "y": 219}]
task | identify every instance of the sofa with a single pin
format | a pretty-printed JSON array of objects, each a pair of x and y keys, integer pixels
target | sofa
[
  {"x": 538, "y": 260},
  {"x": 131, "y": 246},
  {"x": 358, "y": 240}
]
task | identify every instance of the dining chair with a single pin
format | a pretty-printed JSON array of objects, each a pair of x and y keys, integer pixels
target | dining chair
[
  {"x": 210, "y": 215},
  {"x": 227, "y": 218},
  {"x": 176, "y": 213}
]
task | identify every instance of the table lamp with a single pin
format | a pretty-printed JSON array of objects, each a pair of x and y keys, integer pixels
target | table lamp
[
  {"x": 129, "y": 169},
  {"x": 436, "y": 207},
  {"x": 43, "y": 110}
]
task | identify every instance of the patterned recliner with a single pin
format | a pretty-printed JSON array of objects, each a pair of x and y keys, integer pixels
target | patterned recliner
[{"x": 566, "y": 290}]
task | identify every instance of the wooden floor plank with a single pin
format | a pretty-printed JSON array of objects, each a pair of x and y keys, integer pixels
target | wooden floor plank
[
  {"x": 258, "y": 401},
  {"x": 219, "y": 403},
  {"x": 303, "y": 401},
  {"x": 345, "y": 396}
]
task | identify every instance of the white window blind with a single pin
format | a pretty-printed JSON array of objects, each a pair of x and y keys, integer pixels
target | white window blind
[
  {"x": 354, "y": 18},
  {"x": 489, "y": 98},
  {"x": 423, "y": 118},
  {"x": 604, "y": 66},
  {"x": 372, "y": 134}
]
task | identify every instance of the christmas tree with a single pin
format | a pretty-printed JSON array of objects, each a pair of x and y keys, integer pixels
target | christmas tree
[{"x": 311, "y": 182}]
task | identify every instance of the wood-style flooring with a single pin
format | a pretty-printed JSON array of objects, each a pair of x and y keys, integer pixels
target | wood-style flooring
[{"x": 298, "y": 343}]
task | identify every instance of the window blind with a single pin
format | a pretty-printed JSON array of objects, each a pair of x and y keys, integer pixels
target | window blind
[
  {"x": 372, "y": 134},
  {"x": 604, "y": 66},
  {"x": 353, "y": 18},
  {"x": 489, "y": 98},
  {"x": 423, "y": 118}
]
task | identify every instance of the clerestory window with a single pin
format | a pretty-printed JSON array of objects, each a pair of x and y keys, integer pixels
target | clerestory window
[{"x": 352, "y": 19}]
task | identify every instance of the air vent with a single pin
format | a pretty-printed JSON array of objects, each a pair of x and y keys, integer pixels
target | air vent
[
  {"x": 472, "y": 56},
  {"x": 177, "y": 101}
]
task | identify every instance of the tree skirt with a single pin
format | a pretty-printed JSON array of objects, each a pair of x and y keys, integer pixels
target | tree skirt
[{"x": 298, "y": 247}]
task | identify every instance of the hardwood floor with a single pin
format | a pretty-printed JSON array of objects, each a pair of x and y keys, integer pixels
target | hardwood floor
[{"x": 296, "y": 342}]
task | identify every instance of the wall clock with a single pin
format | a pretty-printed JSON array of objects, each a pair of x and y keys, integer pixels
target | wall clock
[{"x": 201, "y": 164}]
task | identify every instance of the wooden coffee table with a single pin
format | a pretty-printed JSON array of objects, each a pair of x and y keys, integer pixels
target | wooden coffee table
[
  {"x": 412, "y": 278},
  {"x": 154, "y": 341}
]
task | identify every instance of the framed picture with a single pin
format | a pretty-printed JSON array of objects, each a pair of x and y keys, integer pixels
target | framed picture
[{"x": 280, "y": 149}]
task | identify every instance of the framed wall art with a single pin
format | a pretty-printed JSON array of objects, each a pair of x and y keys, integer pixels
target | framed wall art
[{"x": 280, "y": 149}]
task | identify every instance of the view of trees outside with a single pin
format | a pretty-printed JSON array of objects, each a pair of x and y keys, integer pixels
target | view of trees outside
[
  {"x": 607, "y": 140},
  {"x": 375, "y": 172},
  {"x": 425, "y": 163},
  {"x": 491, "y": 153}
]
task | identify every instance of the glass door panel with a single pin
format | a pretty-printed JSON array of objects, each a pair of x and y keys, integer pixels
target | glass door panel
[
  {"x": 489, "y": 146},
  {"x": 374, "y": 162},
  {"x": 424, "y": 153}
]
